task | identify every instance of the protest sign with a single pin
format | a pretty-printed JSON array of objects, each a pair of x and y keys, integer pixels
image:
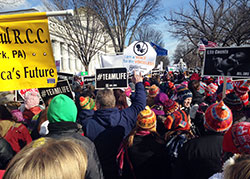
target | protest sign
[
  {"x": 24, "y": 91},
  {"x": 88, "y": 79},
  {"x": 62, "y": 87},
  {"x": 111, "y": 78},
  {"x": 26, "y": 54},
  {"x": 173, "y": 68},
  {"x": 228, "y": 61},
  {"x": 111, "y": 61},
  {"x": 139, "y": 56}
]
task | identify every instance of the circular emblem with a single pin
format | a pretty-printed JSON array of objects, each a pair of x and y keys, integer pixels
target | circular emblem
[{"x": 140, "y": 48}]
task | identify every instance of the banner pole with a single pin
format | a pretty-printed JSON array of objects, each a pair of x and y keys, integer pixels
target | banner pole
[
  {"x": 60, "y": 13},
  {"x": 224, "y": 87}
]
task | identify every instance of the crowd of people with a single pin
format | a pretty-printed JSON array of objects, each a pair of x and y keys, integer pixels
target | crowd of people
[{"x": 172, "y": 125}]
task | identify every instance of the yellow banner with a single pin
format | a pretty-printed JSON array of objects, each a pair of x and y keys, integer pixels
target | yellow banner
[{"x": 26, "y": 56}]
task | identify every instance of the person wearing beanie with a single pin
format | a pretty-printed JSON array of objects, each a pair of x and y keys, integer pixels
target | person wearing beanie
[
  {"x": 151, "y": 158},
  {"x": 236, "y": 143},
  {"x": 178, "y": 132},
  {"x": 152, "y": 93},
  {"x": 32, "y": 108},
  {"x": 194, "y": 87},
  {"x": 88, "y": 107},
  {"x": 200, "y": 157},
  {"x": 184, "y": 98},
  {"x": 109, "y": 125},
  {"x": 15, "y": 133},
  {"x": 158, "y": 109},
  {"x": 236, "y": 105},
  {"x": 62, "y": 114}
]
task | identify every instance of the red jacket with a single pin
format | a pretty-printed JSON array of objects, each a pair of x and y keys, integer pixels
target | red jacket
[{"x": 16, "y": 134}]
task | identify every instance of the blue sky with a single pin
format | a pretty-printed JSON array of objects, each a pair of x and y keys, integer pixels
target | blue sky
[{"x": 167, "y": 6}]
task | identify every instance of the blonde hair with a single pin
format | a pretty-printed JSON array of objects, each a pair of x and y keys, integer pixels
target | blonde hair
[
  {"x": 237, "y": 167},
  {"x": 49, "y": 158}
]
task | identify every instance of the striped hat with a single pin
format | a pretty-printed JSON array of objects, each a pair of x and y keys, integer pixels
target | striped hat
[
  {"x": 244, "y": 98},
  {"x": 236, "y": 139},
  {"x": 233, "y": 102},
  {"x": 146, "y": 119},
  {"x": 242, "y": 87},
  {"x": 153, "y": 91},
  {"x": 177, "y": 121},
  {"x": 183, "y": 93},
  {"x": 170, "y": 106},
  {"x": 218, "y": 117},
  {"x": 87, "y": 103},
  {"x": 211, "y": 89}
]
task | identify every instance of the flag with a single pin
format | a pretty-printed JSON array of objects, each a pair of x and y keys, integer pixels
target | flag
[
  {"x": 159, "y": 50},
  {"x": 208, "y": 43},
  {"x": 201, "y": 47}
]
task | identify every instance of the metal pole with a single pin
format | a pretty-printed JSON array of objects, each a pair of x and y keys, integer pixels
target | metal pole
[
  {"x": 60, "y": 13},
  {"x": 224, "y": 87}
]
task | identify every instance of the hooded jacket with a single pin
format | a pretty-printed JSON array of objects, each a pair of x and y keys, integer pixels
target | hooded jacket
[
  {"x": 109, "y": 118},
  {"x": 108, "y": 127}
]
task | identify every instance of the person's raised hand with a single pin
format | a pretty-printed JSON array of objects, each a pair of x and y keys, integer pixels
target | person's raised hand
[{"x": 137, "y": 78}]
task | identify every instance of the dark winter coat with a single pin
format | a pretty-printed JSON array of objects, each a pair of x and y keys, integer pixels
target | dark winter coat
[
  {"x": 147, "y": 157},
  {"x": 6, "y": 153},
  {"x": 108, "y": 127},
  {"x": 109, "y": 118},
  {"x": 199, "y": 158},
  {"x": 70, "y": 129}
]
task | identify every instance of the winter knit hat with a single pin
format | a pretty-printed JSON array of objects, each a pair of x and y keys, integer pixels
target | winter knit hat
[
  {"x": 62, "y": 109},
  {"x": 170, "y": 106},
  {"x": 146, "y": 84},
  {"x": 177, "y": 121},
  {"x": 218, "y": 117},
  {"x": 159, "y": 102},
  {"x": 153, "y": 91},
  {"x": 242, "y": 87},
  {"x": 183, "y": 93},
  {"x": 237, "y": 138},
  {"x": 195, "y": 76},
  {"x": 87, "y": 103},
  {"x": 211, "y": 89},
  {"x": 233, "y": 102},
  {"x": 244, "y": 98},
  {"x": 31, "y": 99},
  {"x": 146, "y": 119}
]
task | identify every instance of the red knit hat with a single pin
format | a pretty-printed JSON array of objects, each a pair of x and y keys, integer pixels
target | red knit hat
[
  {"x": 244, "y": 98},
  {"x": 170, "y": 106},
  {"x": 177, "y": 121},
  {"x": 237, "y": 138},
  {"x": 242, "y": 87},
  {"x": 218, "y": 117}
]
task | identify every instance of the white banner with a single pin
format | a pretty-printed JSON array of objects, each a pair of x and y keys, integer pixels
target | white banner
[
  {"x": 139, "y": 56},
  {"x": 112, "y": 61}
]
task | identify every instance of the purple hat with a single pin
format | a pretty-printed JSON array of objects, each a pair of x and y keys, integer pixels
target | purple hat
[{"x": 159, "y": 102}]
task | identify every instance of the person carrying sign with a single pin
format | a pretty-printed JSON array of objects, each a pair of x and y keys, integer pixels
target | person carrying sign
[{"x": 108, "y": 126}]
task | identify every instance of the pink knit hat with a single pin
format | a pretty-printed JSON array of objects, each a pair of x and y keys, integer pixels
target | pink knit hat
[{"x": 31, "y": 99}]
